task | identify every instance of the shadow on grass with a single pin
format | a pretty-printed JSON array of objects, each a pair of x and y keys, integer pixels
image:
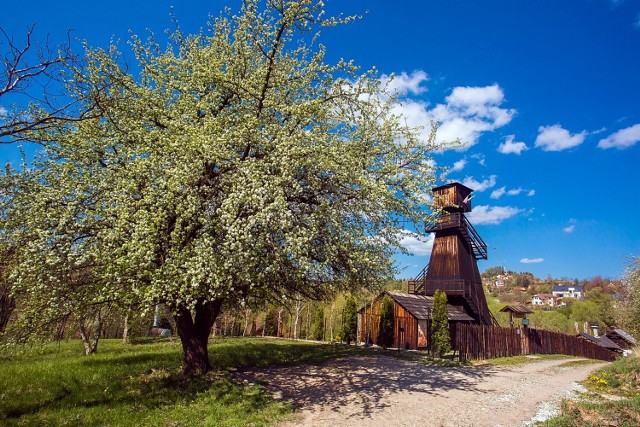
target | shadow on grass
[{"x": 140, "y": 380}]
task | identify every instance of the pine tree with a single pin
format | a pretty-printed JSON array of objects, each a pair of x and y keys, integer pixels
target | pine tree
[
  {"x": 441, "y": 340},
  {"x": 350, "y": 320},
  {"x": 385, "y": 337}
]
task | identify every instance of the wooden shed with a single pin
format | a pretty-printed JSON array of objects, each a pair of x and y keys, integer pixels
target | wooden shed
[
  {"x": 622, "y": 338},
  {"x": 517, "y": 311},
  {"x": 412, "y": 319},
  {"x": 602, "y": 341}
]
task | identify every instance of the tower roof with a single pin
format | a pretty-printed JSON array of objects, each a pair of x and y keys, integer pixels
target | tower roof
[
  {"x": 464, "y": 188},
  {"x": 452, "y": 197}
]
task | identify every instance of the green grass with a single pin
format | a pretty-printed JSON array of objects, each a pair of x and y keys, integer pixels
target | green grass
[
  {"x": 519, "y": 360},
  {"x": 141, "y": 384},
  {"x": 621, "y": 378}
]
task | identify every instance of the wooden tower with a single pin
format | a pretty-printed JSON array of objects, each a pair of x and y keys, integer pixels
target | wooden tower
[{"x": 457, "y": 246}]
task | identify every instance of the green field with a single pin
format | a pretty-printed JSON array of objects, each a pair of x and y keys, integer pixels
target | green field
[{"x": 141, "y": 384}]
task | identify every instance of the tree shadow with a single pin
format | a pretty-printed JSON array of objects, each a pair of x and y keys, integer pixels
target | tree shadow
[{"x": 364, "y": 382}]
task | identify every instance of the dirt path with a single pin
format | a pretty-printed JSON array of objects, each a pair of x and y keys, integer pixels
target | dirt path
[{"x": 376, "y": 390}]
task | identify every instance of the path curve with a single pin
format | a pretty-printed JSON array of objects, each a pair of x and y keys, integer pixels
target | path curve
[{"x": 377, "y": 390}]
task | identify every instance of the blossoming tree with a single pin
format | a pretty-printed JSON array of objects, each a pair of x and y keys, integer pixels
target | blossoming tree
[{"x": 237, "y": 166}]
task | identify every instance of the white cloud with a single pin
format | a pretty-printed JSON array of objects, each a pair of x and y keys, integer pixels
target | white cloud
[
  {"x": 496, "y": 194},
  {"x": 622, "y": 139},
  {"x": 531, "y": 193},
  {"x": 470, "y": 111},
  {"x": 403, "y": 83},
  {"x": 3, "y": 111},
  {"x": 459, "y": 165},
  {"x": 466, "y": 113},
  {"x": 416, "y": 244},
  {"x": 555, "y": 138},
  {"x": 571, "y": 227},
  {"x": 510, "y": 146},
  {"x": 531, "y": 260},
  {"x": 479, "y": 186},
  {"x": 492, "y": 214},
  {"x": 480, "y": 158}
]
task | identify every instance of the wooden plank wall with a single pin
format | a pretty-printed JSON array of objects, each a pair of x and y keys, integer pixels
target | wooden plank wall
[
  {"x": 405, "y": 326},
  {"x": 370, "y": 322},
  {"x": 405, "y": 332},
  {"x": 478, "y": 342}
]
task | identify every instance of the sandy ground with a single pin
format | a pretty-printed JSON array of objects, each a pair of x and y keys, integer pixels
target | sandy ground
[{"x": 377, "y": 390}]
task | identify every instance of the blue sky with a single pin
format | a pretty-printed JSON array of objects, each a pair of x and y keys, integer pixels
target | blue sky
[{"x": 545, "y": 95}]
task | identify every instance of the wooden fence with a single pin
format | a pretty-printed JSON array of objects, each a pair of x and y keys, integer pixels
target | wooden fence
[{"x": 480, "y": 342}]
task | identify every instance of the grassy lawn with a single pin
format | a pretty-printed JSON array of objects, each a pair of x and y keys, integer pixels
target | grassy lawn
[
  {"x": 613, "y": 398},
  {"x": 519, "y": 360},
  {"x": 140, "y": 384}
]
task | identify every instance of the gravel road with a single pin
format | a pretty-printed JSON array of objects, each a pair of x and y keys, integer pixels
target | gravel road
[{"x": 376, "y": 390}]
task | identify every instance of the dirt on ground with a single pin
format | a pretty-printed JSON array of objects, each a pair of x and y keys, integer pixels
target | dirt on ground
[{"x": 378, "y": 390}]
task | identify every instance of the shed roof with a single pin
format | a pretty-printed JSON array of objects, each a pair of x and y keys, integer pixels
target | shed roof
[
  {"x": 520, "y": 309},
  {"x": 602, "y": 341},
  {"x": 624, "y": 335},
  {"x": 420, "y": 307}
]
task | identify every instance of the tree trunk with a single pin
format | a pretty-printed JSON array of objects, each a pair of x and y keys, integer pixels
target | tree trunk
[
  {"x": 125, "y": 331},
  {"x": 194, "y": 335},
  {"x": 299, "y": 308},
  {"x": 90, "y": 346},
  {"x": 7, "y": 305},
  {"x": 333, "y": 306},
  {"x": 279, "y": 321}
]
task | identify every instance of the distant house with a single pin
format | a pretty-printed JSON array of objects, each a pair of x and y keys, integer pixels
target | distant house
[
  {"x": 570, "y": 291},
  {"x": 412, "y": 319},
  {"x": 549, "y": 300},
  {"x": 499, "y": 283}
]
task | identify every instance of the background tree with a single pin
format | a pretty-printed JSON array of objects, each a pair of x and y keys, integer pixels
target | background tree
[
  {"x": 350, "y": 320},
  {"x": 493, "y": 272},
  {"x": 237, "y": 168},
  {"x": 441, "y": 340},
  {"x": 585, "y": 311},
  {"x": 604, "y": 303},
  {"x": 318, "y": 321},
  {"x": 629, "y": 312},
  {"x": 552, "y": 320},
  {"x": 387, "y": 319}
]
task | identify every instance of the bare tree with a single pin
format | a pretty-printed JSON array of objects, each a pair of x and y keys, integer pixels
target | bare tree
[{"x": 33, "y": 91}]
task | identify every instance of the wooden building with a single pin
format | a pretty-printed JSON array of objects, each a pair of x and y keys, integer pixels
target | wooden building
[
  {"x": 602, "y": 341},
  {"x": 517, "y": 311},
  {"x": 457, "y": 246},
  {"x": 622, "y": 338},
  {"x": 412, "y": 319}
]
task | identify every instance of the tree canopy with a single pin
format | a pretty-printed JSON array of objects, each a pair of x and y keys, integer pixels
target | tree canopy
[{"x": 237, "y": 166}]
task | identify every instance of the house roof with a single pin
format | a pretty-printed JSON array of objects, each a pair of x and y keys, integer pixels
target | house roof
[
  {"x": 545, "y": 296},
  {"x": 624, "y": 335},
  {"x": 420, "y": 306},
  {"x": 602, "y": 341},
  {"x": 566, "y": 288}
]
